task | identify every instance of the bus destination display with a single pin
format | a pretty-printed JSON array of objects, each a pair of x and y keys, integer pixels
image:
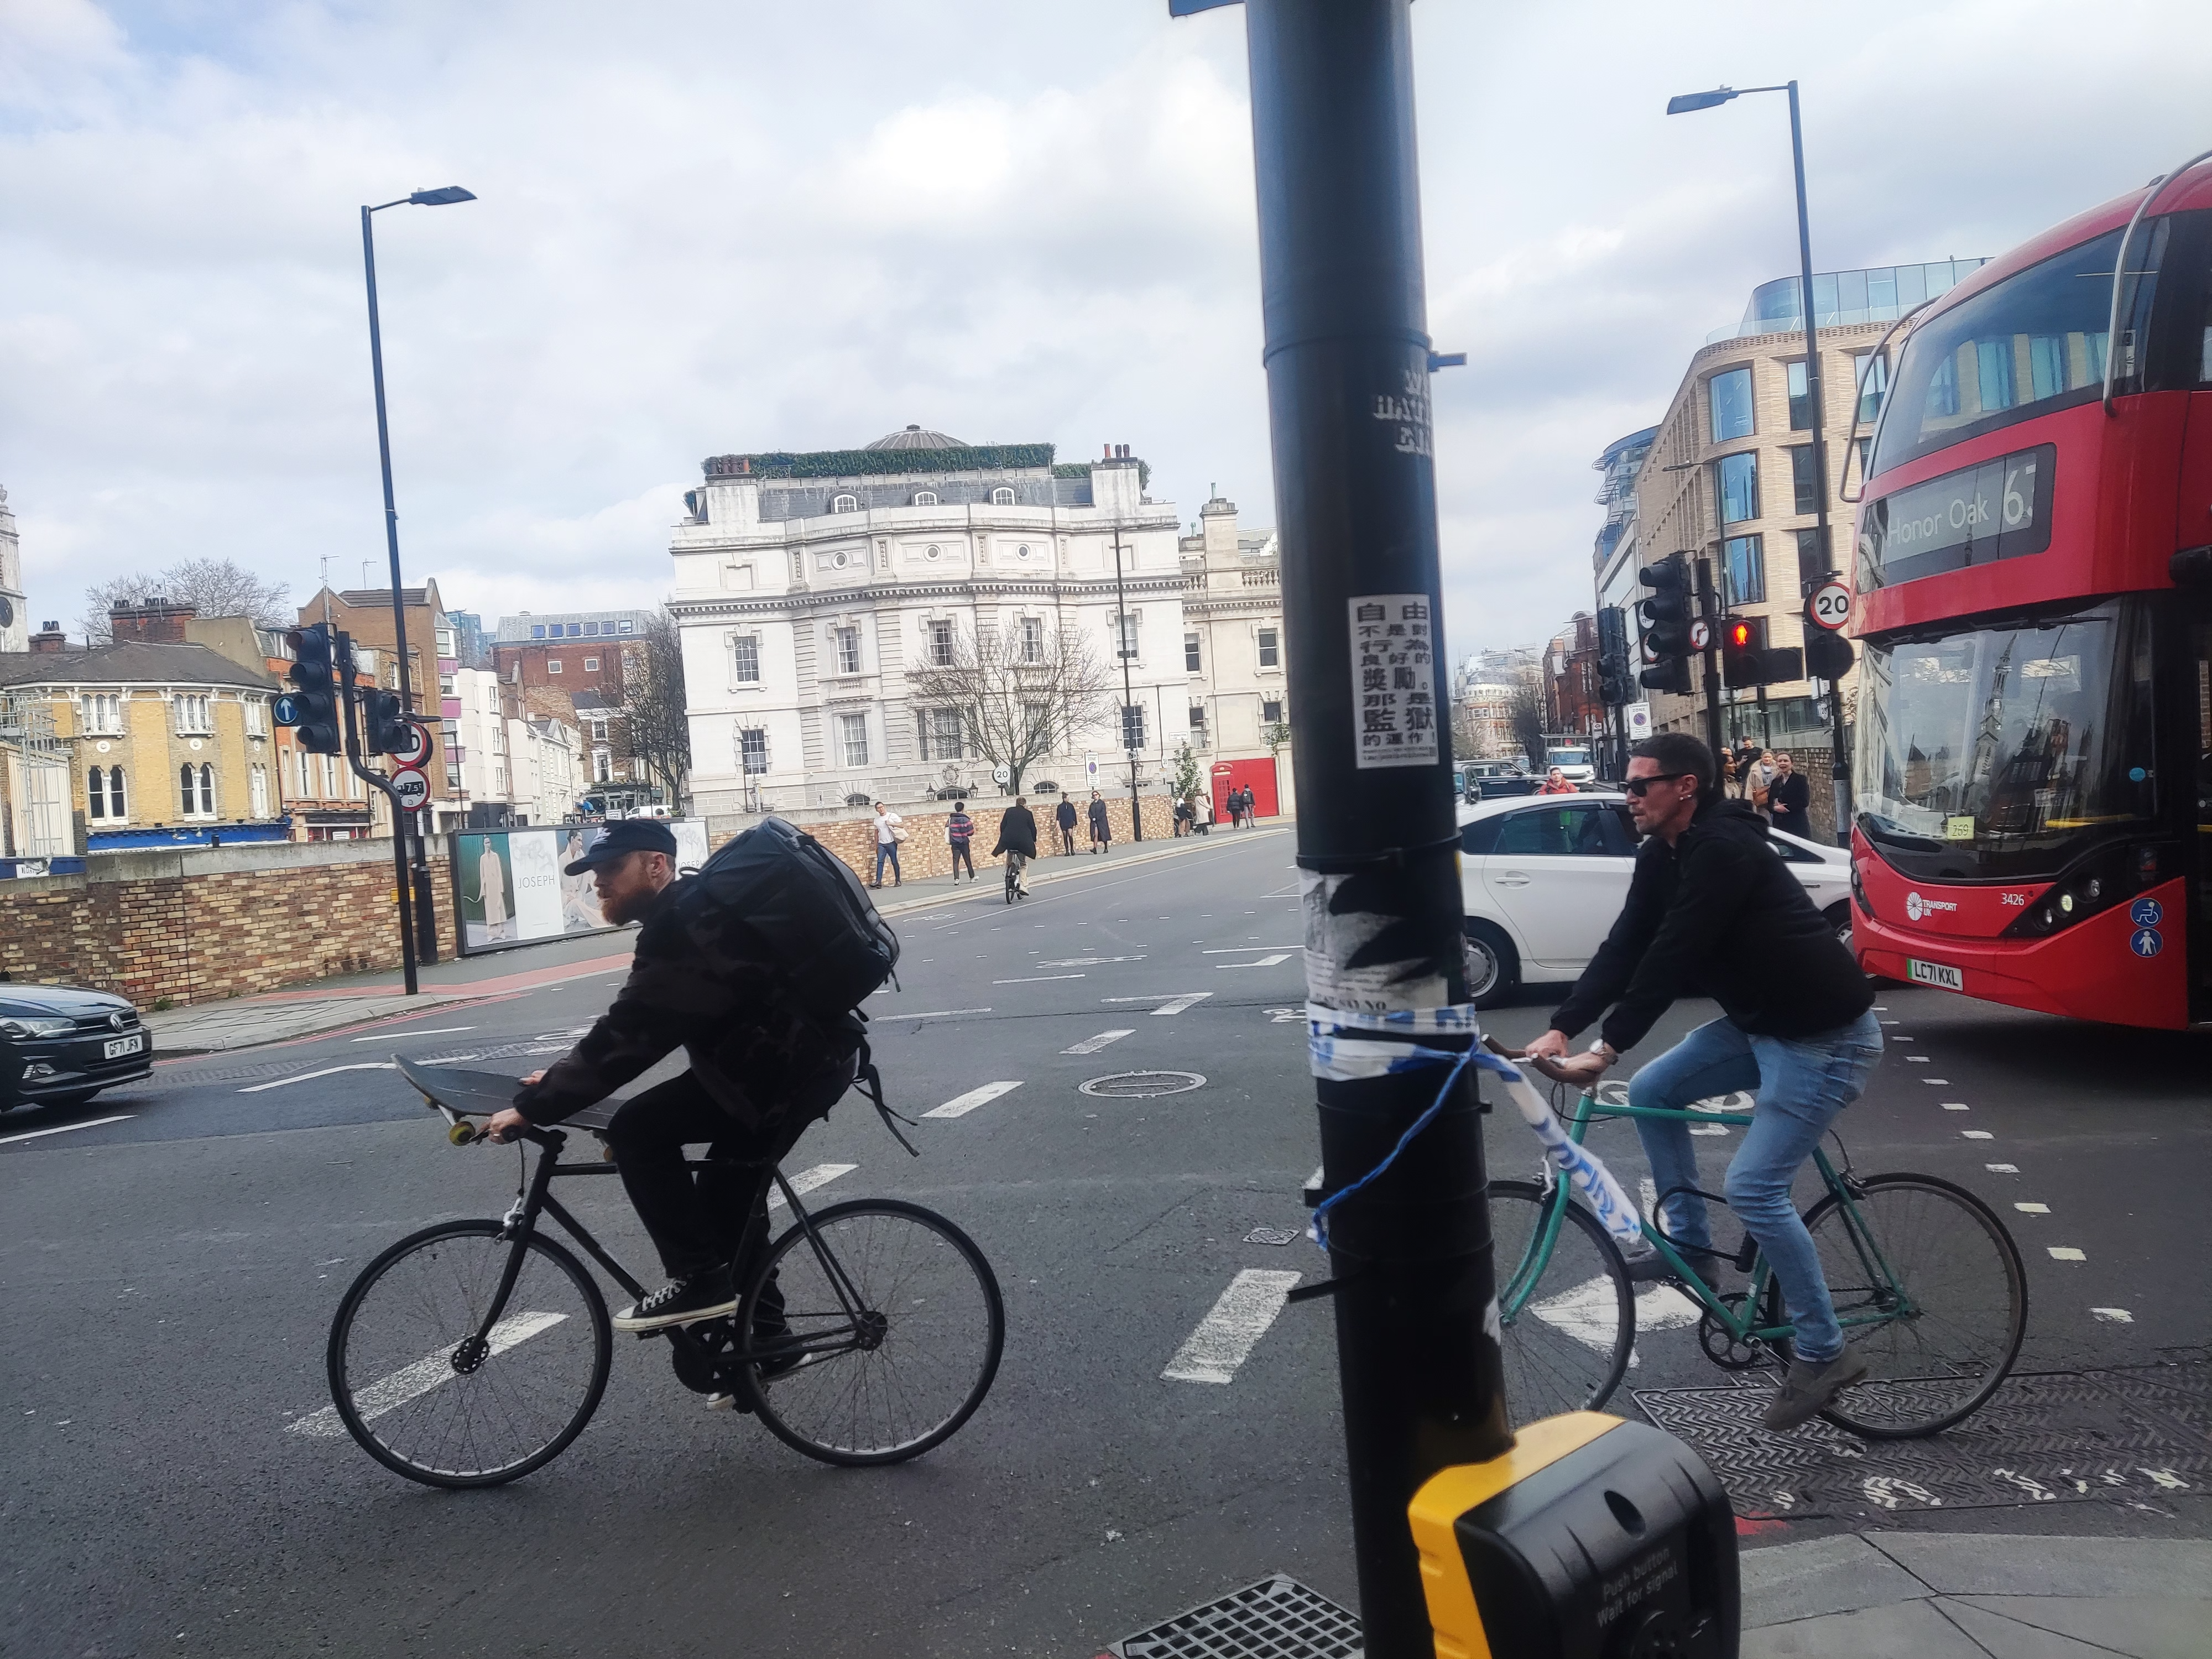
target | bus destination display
[{"x": 1998, "y": 509}]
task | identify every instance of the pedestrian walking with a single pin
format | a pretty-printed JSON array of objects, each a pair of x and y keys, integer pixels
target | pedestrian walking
[
  {"x": 1790, "y": 797},
  {"x": 1017, "y": 841},
  {"x": 1064, "y": 815},
  {"x": 1185, "y": 816},
  {"x": 959, "y": 830},
  {"x": 1758, "y": 779},
  {"x": 891, "y": 830},
  {"x": 1101, "y": 829},
  {"x": 1205, "y": 813},
  {"x": 1242, "y": 804}
]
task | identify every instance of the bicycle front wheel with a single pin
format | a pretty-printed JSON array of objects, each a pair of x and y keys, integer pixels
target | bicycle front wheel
[
  {"x": 1929, "y": 1288},
  {"x": 1566, "y": 1320},
  {"x": 410, "y": 1381},
  {"x": 888, "y": 1337}
]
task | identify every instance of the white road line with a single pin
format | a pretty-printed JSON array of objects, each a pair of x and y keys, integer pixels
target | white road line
[
  {"x": 961, "y": 1105},
  {"x": 1087, "y": 961},
  {"x": 329, "y": 1071},
  {"x": 64, "y": 1128},
  {"x": 1175, "y": 1001},
  {"x": 1240, "y": 950},
  {"x": 1976, "y": 1134},
  {"x": 2002, "y": 1169},
  {"x": 1940, "y": 1082},
  {"x": 807, "y": 1179},
  {"x": 2114, "y": 1316},
  {"x": 431, "y": 1030},
  {"x": 1092, "y": 1045},
  {"x": 1911, "y": 1060},
  {"x": 411, "y": 1382},
  {"x": 1264, "y": 962},
  {"x": 1227, "y": 1335},
  {"x": 2032, "y": 1209},
  {"x": 934, "y": 1013},
  {"x": 1035, "y": 979},
  {"x": 2065, "y": 1253},
  {"x": 1956, "y": 1106},
  {"x": 1589, "y": 1313}
]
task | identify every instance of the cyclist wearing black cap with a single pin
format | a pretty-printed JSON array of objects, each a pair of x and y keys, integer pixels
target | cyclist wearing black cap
[{"x": 760, "y": 1073}]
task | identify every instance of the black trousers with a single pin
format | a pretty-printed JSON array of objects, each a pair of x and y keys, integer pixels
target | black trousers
[
  {"x": 962, "y": 855},
  {"x": 700, "y": 1220}
]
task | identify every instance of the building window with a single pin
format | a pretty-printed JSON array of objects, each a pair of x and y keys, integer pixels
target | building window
[
  {"x": 603, "y": 766},
  {"x": 552, "y": 664},
  {"x": 192, "y": 715},
  {"x": 628, "y": 627},
  {"x": 538, "y": 630},
  {"x": 1730, "y": 394},
  {"x": 1037, "y": 719},
  {"x": 307, "y": 788},
  {"x": 118, "y": 804},
  {"x": 95, "y": 793},
  {"x": 1133, "y": 725},
  {"x": 1744, "y": 571},
  {"x": 196, "y": 790},
  {"x": 940, "y": 644},
  {"x": 103, "y": 714},
  {"x": 752, "y": 750},
  {"x": 598, "y": 729},
  {"x": 499, "y": 777},
  {"x": 1271, "y": 649},
  {"x": 941, "y": 734},
  {"x": 1871, "y": 370},
  {"x": 257, "y": 717},
  {"x": 848, "y": 653},
  {"x": 924, "y": 498},
  {"x": 575, "y": 630},
  {"x": 1033, "y": 639},
  {"x": 852, "y": 739},
  {"x": 445, "y": 648},
  {"x": 445, "y": 686},
  {"x": 844, "y": 504},
  {"x": 1271, "y": 712},
  {"x": 1804, "y": 480},
  {"x": 1737, "y": 476},
  {"x": 744, "y": 659},
  {"x": 1801, "y": 401},
  {"x": 1812, "y": 560},
  {"x": 591, "y": 630},
  {"x": 591, "y": 664},
  {"x": 1128, "y": 628},
  {"x": 1190, "y": 653},
  {"x": 257, "y": 788},
  {"x": 1198, "y": 724},
  {"x": 1002, "y": 498}
]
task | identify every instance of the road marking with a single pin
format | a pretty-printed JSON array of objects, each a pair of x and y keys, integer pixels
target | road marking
[
  {"x": 332, "y": 1070},
  {"x": 2032, "y": 1209},
  {"x": 1240, "y": 950},
  {"x": 434, "y": 1031},
  {"x": 1227, "y": 1335},
  {"x": 1035, "y": 979},
  {"x": 64, "y": 1128},
  {"x": 1911, "y": 1060},
  {"x": 1175, "y": 1002},
  {"x": 937, "y": 1013},
  {"x": 807, "y": 1179},
  {"x": 2065, "y": 1253},
  {"x": 1264, "y": 962},
  {"x": 411, "y": 1382},
  {"x": 2002, "y": 1169},
  {"x": 2114, "y": 1316},
  {"x": 1092, "y": 1045},
  {"x": 1956, "y": 1106},
  {"x": 1709, "y": 1128},
  {"x": 961, "y": 1105},
  {"x": 1088, "y": 962},
  {"x": 1590, "y": 1314},
  {"x": 1977, "y": 1134},
  {"x": 1940, "y": 1082}
]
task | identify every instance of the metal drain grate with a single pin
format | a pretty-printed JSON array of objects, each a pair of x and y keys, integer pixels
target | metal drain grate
[
  {"x": 1276, "y": 1236},
  {"x": 1277, "y": 1618},
  {"x": 1141, "y": 1085}
]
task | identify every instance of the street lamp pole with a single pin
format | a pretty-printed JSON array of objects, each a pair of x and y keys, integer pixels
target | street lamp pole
[
  {"x": 1128, "y": 694},
  {"x": 1839, "y": 768},
  {"x": 442, "y": 198}
]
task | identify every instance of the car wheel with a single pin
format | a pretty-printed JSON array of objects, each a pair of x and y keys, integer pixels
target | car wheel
[{"x": 1493, "y": 968}]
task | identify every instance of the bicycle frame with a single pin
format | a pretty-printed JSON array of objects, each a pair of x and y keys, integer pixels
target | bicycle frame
[{"x": 1890, "y": 1297}]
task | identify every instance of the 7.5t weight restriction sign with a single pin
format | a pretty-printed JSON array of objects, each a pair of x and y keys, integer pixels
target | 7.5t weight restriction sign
[{"x": 410, "y": 789}]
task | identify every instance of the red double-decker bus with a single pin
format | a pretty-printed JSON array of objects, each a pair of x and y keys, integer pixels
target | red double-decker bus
[{"x": 2034, "y": 774}]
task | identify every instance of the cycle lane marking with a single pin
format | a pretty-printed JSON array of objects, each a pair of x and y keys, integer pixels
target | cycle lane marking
[
  {"x": 434, "y": 1031},
  {"x": 807, "y": 1179},
  {"x": 1224, "y": 1339},
  {"x": 332, "y": 1070},
  {"x": 961, "y": 1105},
  {"x": 64, "y": 1128},
  {"x": 1092, "y": 1045},
  {"x": 411, "y": 1382}
]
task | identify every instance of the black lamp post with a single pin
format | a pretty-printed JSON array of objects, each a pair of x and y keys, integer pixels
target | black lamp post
[
  {"x": 1839, "y": 768},
  {"x": 443, "y": 197}
]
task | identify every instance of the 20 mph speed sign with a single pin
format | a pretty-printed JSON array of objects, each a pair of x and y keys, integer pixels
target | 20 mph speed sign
[
  {"x": 409, "y": 788},
  {"x": 1830, "y": 607}
]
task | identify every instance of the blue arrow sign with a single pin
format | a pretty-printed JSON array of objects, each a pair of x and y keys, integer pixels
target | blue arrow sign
[{"x": 285, "y": 710}]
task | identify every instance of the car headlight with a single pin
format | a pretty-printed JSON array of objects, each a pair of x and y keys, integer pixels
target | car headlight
[{"x": 19, "y": 1028}]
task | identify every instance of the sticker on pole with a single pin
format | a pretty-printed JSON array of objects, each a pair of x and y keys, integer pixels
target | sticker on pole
[
  {"x": 410, "y": 789},
  {"x": 1830, "y": 607},
  {"x": 1394, "y": 679},
  {"x": 412, "y": 745}
]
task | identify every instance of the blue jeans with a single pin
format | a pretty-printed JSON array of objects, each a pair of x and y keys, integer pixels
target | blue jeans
[
  {"x": 887, "y": 849},
  {"x": 1800, "y": 1085}
]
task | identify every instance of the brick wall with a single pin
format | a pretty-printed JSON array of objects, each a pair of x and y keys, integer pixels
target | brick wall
[{"x": 201, "y": 925}]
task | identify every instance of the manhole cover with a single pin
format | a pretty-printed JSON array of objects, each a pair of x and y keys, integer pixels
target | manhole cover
[
  {"x": 1271, "y": 1236},
  {"x": 1277, "y": 1618},
  {"x": 1140, "y": 1085}
]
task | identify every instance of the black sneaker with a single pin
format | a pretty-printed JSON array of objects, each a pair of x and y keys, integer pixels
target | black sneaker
[
  {"x": 681, "y": 1302},
  {"x": 1652, "y": 1269},
  {"x": 1808, "y": 1389}
]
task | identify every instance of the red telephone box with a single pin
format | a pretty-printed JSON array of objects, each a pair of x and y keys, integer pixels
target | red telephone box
[{"x": 1257, "y": 776}]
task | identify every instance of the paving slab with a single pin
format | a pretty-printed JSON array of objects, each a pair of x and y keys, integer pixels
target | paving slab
[
  {"x": 1971, "y": 1564},
  {"x": 2004, "y": 1637},
  {"x": 2142, "y": 1627},
  {"x": 1907, "y": 1630},
  {"x": 213, "y": 1028},
  {"x": 1842, "y": 1574}
]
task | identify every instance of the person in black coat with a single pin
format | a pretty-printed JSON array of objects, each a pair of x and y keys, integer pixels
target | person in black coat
[
  {"x": 1102, "y": 828},
  {"x": 1018, "y": 841},
  {"x": 1064, "y": 815},
  {"x": 1789, "y": 798}
]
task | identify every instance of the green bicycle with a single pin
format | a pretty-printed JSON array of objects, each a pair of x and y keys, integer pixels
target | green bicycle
[{"x": 1926, "y": 1283}]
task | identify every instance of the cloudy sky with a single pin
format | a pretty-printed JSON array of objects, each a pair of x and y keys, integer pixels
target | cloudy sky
[{"x": 715, "y": 227}]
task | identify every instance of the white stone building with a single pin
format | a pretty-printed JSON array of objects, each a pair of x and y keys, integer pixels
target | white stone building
[
  {"x": 515, "y": 767},
  {"x": 15, "y": 630},
  {"x": 806, "y": 586}
]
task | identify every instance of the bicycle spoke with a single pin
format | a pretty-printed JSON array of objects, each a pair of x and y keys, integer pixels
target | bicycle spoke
[{"x": 1566, "y": 1345}]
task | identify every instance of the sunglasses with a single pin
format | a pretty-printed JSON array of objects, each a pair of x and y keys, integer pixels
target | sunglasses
[{"x": 1637, "y": 786}]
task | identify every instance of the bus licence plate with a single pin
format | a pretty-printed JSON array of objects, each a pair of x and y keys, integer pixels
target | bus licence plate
[
  {"x": 1934, "y": 973},
  {"x": 121, "y": 1046}
]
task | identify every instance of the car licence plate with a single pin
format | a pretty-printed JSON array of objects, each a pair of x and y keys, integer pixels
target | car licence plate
[
  {"x": 119, "y": 1047},
  {"x": 1935, "y": 973}
]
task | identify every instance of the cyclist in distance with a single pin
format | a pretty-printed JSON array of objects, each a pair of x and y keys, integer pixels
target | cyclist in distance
[
  {"x": 760, "y": 1072},
  {"x": 1711, "y": 908}
]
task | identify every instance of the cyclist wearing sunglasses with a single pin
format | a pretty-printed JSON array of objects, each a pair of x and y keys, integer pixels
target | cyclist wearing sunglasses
[{"x": 1712, "y": 911}]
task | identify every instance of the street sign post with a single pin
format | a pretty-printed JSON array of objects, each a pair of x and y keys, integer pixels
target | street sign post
[
  {"x": 1701, "y": 635},
  {"x": 411, "y": 744},
  {"x": 1830, "y": 607},
  {"x": 410, "y": 790},
  {"x": 1002, "y": 775},
  {"x": 1638, "y": 716}
]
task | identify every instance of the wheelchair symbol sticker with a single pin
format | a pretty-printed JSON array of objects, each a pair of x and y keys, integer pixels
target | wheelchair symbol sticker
[
  {"x": 2146, "y": 942},
  {"x": 2146, "y": 913}
]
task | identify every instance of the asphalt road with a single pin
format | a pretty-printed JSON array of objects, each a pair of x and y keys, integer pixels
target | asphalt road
[{"x": 172, "y": 1275}]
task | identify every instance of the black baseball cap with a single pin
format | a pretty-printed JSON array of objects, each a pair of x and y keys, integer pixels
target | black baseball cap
[{"x": 625, "y": 835}]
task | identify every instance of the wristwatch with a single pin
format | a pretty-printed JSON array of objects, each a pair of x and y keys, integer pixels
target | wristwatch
[{"x": 1605, "y": 1051}]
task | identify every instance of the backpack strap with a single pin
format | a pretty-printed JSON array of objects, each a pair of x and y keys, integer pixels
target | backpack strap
[{"x": 870, "y": 1082}]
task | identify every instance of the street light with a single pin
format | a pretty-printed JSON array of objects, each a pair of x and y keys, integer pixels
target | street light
[
  {"x": 444, "y": 196},
  {"x": 1839, "y": 769}
]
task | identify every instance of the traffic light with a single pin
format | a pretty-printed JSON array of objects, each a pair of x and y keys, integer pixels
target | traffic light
[
  {"x": 383, "y": 730},
  {"x": 1747, "y": 660},
  {"x": 1613, "y": 686},
  {"x": 313, "y": 709},
  {"x": 1827, "y": 656},
  {"x": 1665, "y": 621}
]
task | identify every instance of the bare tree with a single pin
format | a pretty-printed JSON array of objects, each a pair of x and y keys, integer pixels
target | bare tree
[
  {"x": 1526, "y": 713},
  {"x": 653, "y": 708},
  {"x": 213, "y": 587},
  {"x": 1022, "y": 694}
]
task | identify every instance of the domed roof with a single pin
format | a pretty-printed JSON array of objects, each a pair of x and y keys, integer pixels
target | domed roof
[{"x": 916, "y": 437}]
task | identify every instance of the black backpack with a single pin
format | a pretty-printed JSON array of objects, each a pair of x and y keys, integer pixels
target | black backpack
[{"x": 779, "y": 895}]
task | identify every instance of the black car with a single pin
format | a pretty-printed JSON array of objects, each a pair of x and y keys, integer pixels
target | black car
[{"x": 60, "y": 1045}]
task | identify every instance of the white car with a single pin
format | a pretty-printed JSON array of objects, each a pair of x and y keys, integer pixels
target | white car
[{"x": 1543, "y": 876}]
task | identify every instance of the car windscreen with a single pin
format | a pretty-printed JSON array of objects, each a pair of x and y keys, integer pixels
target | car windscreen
[{"x": 1998, "y": 752}]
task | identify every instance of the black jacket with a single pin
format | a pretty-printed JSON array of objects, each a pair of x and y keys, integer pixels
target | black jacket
[
  {"x": 1787, "y": 798},
  {"x": 1719, "y": 915},
  {"x": 752, "y": 1053},
  {"x": 1017, "y": 832},
  {"x": 1101, "y": 825},
  {"x": 1065, "y": 812}
]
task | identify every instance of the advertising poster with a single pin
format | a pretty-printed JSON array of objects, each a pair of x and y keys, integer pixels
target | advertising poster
[
  {"x": 509, "y": 889},
  {"x": 487, "y": 891}
]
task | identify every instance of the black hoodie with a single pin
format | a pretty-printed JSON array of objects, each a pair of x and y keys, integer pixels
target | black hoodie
[{"x": 1719, "y": 915}]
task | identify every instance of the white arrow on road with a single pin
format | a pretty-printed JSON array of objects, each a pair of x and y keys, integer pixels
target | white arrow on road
[{"x": 1171, "y": 1002}]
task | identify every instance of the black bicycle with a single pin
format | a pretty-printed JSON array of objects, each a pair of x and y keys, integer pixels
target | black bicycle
[{"x": 472, "y": 1352}]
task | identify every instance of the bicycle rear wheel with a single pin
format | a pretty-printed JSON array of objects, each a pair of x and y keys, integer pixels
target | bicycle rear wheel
[
  {"x": 1937, "y": 1285},
  {"x": 410, "y": 1383},
  {"x": 1567, "y": 1324},
  {"x": 893, "y": 1332}
]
